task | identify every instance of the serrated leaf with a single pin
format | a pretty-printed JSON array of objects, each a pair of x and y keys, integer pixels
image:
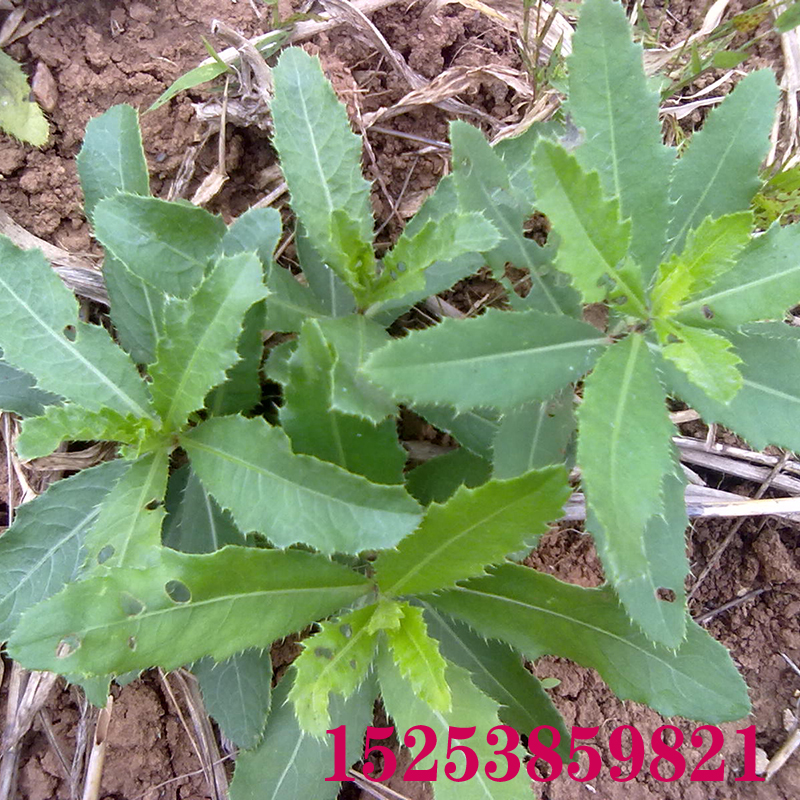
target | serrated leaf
[
  {"x": 237, "y": 694},
  {"x": 256, "y": 231},
  {"x": 195, "y": 523},
  {"x": 42, "y": 335},
  {"x": 498, "y": 359},
  {"x": 42, "y": 435},
  {"x": 203, "y": 333},
  {"x": 128, "y": 528},
  {"x": 321, "y": 161},
  {"x": 718, "y": 173},
  {"x": 169, "y": 245},
  {"x": 437, "y": 479},
  {"x": 329, "y": 290},
  {"x": 540, "y": 615},
  {"x": 182, "y": 608},
  {"x": 19, "y": 115},
  {"x": 289, "y": 303},
  {"x": 763, "y": 284},
  {"x": 707, "y": 359},
  {"x": 533, "y": 435},
  {"x": 498, "y": 672},
  {"x": 471, "y": 708},
  {"x": 474, "y": 429},
  {"x": 249, "y": 468},
  {"x": 455, "y": 234},
  {"x": 290, "y": 763},
  {"x": 43, "y": 549},
  {"x": 317, "y": 429},
  {"x": 610, "y": 98},
  {"x": 18, "y": 392},
  {"x": 417, "y": 658},
  {"x": 594, "y": 239},
  {"x": 474, "y": 528},
  {"x": 334, "y": 660},
  {"x": 625, "y": 449}
]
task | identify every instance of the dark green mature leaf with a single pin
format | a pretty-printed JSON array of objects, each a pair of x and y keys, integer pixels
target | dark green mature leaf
[
  {"x": 289, "y": 303},
  {"x": 250, "y": 469},
  {"x": 41, "y": 333},
  {"x": 498, "y": 672},
  {"x": 474, "y": 528},
  {"x": 256, "y": 231},
  {"x": 237, "y": 692},
  {"x": 182, "y": 608},
  {"x": 609, "y": 97},
  {"x": 718, "y": 174},
  {"x": 290, "y": 763},
  {"x": 331, "y": 292},
  {"x": 497, "y": 359},
  {"x": 540, "y": 615},
  {"x": 766, "y": 407},
  {"x": 763, "y": 284},
  {"x": 195, "y": 523},
  {"x": 625, "y": 449},
  {"x": 19, "y": 114},
  {"x": 471, "y": 708},
  {"x": 436, "y": 480},
  {"x": 203, "y": 332},
  {"x": 18, "y": 392},
  {"x": 321, "y": 161},
  {"x": 317, "y": 429},
  {"x": 169, "y": 245},
  {"x": 43, "y": 549},
  {"x": 474, "y": 429},
  {"x": 127, "y": 532}
]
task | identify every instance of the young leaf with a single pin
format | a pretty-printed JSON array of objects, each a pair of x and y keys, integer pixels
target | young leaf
[
  {"x": 43, "y": 549},
  {"x": 718, "y": 173},
  {"x": 203, "y": 332},
  {"x": 334, "y": 660},
  {"x": 436, "y": 480},
  {"x": 329, "y": 290},
  {"x": 594, "y": 240},
  {"x": 42, "y": 335},
  {"x": 471, "y": 709},
  {"x": 182, "y": 608},
  {"x": 19, "y": 115},
  {"x": 540, "y": 615},
  {"x": 250, "y": 469},
  {"x": 707, "y": 359},
  {"x": 237, "y": 693},
  {"x": 18, "y": 392},
  {"x": 763, "y": 284},
  {"x": 195, "y": 523},
  {"x": 625, "y": 449},
  {"x": 609, "y": 97},
  {"x": 474, "y": 528},
  {"x": 498, "y": 359},
  {"x": 290, "y": 763},
  {"x": 128, "y": 528},
  {"x": 169, "y": 245},
  {"x": 321, "y": 161}
]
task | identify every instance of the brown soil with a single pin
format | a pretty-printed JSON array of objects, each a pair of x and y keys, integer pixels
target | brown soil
[{"x": 102, "y": 53}]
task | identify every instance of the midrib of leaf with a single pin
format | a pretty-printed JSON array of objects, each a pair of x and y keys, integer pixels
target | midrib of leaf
[
  {"x": 608, "y": 94},
  {"x": 769, "y": 390},
  {"x": 62, "y": 341},
  {"x": 534, "y": 440},
  {"x": 211, "y": 524},
  {"x": 289, "y": 763},
  {"x": 339, "y": 654}
]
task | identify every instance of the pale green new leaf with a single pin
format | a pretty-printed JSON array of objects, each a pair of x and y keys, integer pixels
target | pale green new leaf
[
  {"x": 18, "y": 392},
  {"x": 237, "y": 694},
  {"x": 334, "y": 660},
  {"x": 471, "y": 708},
  {"x": 611, "y": 100},
  {"x": 718, "y": 173},
  {"x": 437, "y": 479},
  {"x": 474, "y": 528},
  {"x": 763, "y": 284},
  {"x": 292, "y": 764},
  {"x": 250, "y": 469},
  {"x": 169, "y": 245},
  {"x": 625, "y": 449},
  {"x": 182, "y": 608},
  {"x": 43, "y": 549},
  {"x": 128, "y": 528},
  {"x": 540, "y": 615},
  {"x": 203, "y": 333},
  {"x": 321, "y": 160},
  {"x": 498, "y": 360},
  {"x": 41, "y": 334},
  {"x": 195, "y": 523},
  {"x": 707, "y": 359},
  {"x": 19, "y": 114}
]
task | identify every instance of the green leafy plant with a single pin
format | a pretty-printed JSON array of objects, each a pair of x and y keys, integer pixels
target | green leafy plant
[
  {"x": 19, "y": 114},
  {"x": 219, "y": 530}
]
